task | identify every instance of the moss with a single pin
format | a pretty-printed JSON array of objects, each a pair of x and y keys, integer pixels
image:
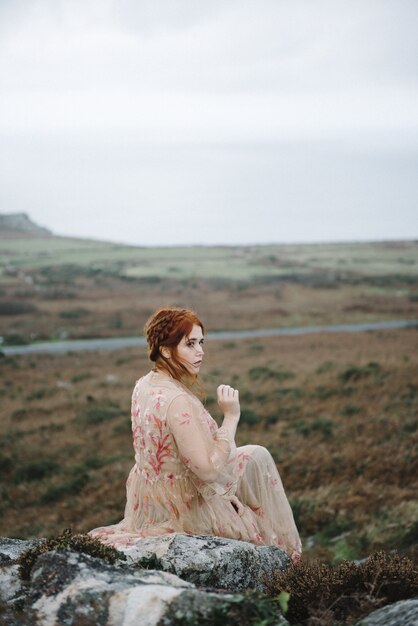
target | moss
[
  {"x": 81, "y": 543},
  {"x": 150, "y": 562}
]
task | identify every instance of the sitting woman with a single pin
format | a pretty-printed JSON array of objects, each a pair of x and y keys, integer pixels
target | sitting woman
[{"x": 189, "y": 476}]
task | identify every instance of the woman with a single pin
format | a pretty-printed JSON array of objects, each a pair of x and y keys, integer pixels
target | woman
[{"x": 189, "y": 476}]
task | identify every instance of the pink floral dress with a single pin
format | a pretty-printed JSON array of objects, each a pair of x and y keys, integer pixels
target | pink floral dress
[{"x": 189, "y": 477}]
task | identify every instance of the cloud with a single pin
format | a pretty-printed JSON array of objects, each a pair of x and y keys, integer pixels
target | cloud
[
  {"x": 271, "y": 45},
  {"x": 221, "y": 71},
  {"x": 121, "y": 80}
]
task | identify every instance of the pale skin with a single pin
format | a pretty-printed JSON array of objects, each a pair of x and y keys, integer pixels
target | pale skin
[{"x": 190, "y": 351}]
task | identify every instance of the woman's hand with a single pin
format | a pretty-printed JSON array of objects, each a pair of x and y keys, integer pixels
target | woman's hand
[{"x": 228, "y": 401}]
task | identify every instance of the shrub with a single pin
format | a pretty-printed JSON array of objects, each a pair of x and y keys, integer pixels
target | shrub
[
  {"x": 124, "y": 427},
  {"x": 98, "y": 414},
  {"x": 323, "y": 393},
  {"x": 410, "y": 537},
  {"x": 326, "y": 595},
  {"x": 94, "y": 462},
  {"x": 15, "y": 339},
  {"x": 249, "y": 417},
  {"x": 356, "y": 372},
  {"x": 271, "y": 419},
  {"x": 255, "y": 348},
  {"x": 20, "y": 414},
  {"x": 14, "y": 307},
  {"x": 350, "y": 409},
  {"x": 81, "y": 543},
  {"x": 35, "y": 470},
  {"x": 262, "y": 372},
  {"x": 301, "y": 507},
  {"x": 41, "y": 392},
  {"x": 80, "y": 377},
  {"x": 70, "y": 488},
  {"x": 410, "y": 396},
  {"x": 73, "y": 314},
  {"x": 291, "y": 392},
  {"x": 6, "y": 464},
  {"x": 322, "y": 425},
  {"x": 325, "y": 367}
]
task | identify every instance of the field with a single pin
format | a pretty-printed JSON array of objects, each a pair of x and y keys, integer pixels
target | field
[
  {"x": 54, "y": 288},
  {"x": 338, "y": 412}
]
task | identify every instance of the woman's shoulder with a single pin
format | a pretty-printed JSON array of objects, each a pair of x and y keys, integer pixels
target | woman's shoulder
[{"x": 156, "y": 383}]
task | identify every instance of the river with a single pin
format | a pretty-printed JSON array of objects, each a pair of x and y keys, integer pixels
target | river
[{"x": 117, "y": 343}]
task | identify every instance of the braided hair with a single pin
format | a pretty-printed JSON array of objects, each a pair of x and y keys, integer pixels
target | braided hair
[{"x": 166, "y": 328}]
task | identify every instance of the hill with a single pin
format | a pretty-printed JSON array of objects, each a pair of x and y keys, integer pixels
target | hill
[{"x": 20, "y": 224}]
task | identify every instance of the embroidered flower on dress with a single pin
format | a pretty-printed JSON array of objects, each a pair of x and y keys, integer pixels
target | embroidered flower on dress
[
  {"x": 159, "y": 400},
  {"x": 242, "y": 456},
  {"x": 161, "y": 444},
  {"x": 186, "y": 419}
]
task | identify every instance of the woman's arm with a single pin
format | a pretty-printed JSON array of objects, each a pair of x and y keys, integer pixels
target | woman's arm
[{"x": 204, "y": 454}]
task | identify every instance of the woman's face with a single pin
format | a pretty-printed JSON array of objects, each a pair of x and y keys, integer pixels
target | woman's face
[{"x": 190, "y": 350}]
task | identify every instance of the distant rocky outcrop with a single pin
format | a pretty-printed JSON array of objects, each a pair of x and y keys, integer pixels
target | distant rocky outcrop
[
  {"x": 173, "y": 580},
  {"x": 20, "y": 224}
]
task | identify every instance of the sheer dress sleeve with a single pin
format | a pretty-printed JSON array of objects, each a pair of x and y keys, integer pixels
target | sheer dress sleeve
[{"x": 204, "y": 453}]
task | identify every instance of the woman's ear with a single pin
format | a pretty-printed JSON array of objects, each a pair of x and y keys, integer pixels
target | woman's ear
[{"x": 165, "y": 352}]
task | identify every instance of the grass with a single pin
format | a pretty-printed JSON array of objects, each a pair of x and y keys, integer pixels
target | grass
[
  {"x": 340, "y": 465},
  {"x": 81, "y": 288},
  {"x": 339, "y": 412},
  {"x": 377, "y": 258}
]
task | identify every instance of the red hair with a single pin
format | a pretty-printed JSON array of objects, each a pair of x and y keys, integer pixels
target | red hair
[{"x": 166, "y": 328}]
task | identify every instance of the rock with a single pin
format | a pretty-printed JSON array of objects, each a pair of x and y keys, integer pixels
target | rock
[
  {"x": 11, "y": 549},
  {"x": 10, "y": 583},
  {"x": 71, "y": 589},
  {"x": 68, "y": 588},
  {"x": 403, "y": 613},
  {"x": 20, "y": 223},
  {"x": 210, "y": 561}
]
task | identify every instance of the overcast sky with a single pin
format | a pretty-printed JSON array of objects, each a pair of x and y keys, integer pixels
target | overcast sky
[{"x": 211, "y": 121}]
